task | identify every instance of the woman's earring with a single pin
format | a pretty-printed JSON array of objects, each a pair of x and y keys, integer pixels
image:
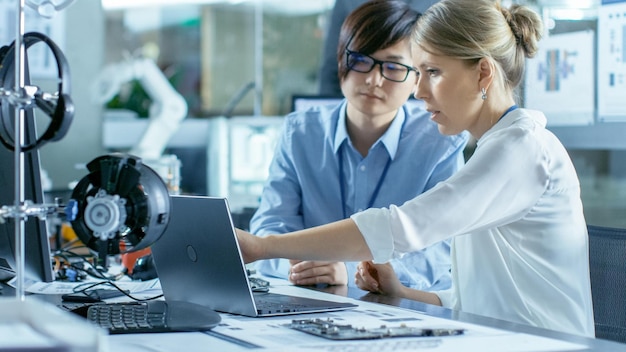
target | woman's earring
[{"x": 484, "y": 92}]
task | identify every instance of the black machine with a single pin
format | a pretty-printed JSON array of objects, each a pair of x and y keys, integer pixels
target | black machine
[
  {"x": 110, "y": 210},
  {"x": 59, "y": 108},
  {"x": 120, "y": 206}
]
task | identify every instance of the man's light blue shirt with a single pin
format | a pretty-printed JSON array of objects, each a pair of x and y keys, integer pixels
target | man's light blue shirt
[{"x": 303, "y": 189}]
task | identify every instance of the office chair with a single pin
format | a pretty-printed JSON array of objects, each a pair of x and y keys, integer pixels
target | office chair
[{"x": 607, "y": 264}]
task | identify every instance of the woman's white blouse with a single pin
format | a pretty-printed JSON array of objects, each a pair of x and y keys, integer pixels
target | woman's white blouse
[{"x": 520, "y": 248}]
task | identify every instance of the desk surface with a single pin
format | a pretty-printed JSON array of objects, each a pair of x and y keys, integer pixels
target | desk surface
[
  {"x": 437, "y": 311},
  {"x": 221, "y": 342}
]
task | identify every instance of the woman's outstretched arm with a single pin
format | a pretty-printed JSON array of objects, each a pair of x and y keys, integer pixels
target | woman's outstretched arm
[{"x": 337, "y": 241}]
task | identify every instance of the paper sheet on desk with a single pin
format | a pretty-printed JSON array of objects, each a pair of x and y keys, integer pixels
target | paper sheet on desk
[
  {"x": 272, "y": 333},
  {"x": 60, "y": 287}
]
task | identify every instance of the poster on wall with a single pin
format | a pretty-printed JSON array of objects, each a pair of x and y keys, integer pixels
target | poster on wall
[
  {"x": 559, "y": 79},
  {"x": 41, "y": 62},
  {"x": 612, "y": 61}
]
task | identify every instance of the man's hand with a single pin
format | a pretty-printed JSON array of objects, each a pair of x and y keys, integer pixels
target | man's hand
[{"x": 312, "y": 273}]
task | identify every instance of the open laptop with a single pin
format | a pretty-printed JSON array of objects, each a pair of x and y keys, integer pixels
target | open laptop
[{"x": 198, "y": 260}]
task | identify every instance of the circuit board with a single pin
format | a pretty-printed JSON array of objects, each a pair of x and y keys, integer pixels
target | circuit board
[{"x": 330, "y": 330}]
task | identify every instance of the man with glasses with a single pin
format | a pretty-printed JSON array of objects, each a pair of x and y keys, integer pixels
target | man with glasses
[
  {"x": 393, "y": 71},
  {"x": 328, "y": 79},
  {"x": 372, "y": 150}
]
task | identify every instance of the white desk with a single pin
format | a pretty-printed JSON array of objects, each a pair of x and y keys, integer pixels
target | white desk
[{"x": 237, "y": 333}]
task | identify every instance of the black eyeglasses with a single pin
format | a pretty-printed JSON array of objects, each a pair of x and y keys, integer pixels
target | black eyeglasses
[{"x": 392, "y": 71}]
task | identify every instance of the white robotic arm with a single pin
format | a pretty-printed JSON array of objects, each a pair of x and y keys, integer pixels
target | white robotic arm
[{"x": 168, "y": 107}]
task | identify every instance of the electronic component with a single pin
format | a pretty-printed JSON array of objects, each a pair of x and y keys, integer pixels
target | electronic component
[
  {"x": 330, "y": 330},
  {"x": 257, "y": 284},
  {"x": 121, "y": 206}
]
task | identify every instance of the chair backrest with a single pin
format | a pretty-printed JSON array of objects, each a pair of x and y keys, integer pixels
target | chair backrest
[{"x": 607, "y": 264}]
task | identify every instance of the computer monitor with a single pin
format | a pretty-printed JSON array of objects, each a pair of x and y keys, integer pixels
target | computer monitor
[{"x": 37, "y": 263}]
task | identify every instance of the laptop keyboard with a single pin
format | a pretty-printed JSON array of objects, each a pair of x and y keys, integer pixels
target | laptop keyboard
[
  {"x": 271, "y": 306},
  {"x": 271, "y": 303}
]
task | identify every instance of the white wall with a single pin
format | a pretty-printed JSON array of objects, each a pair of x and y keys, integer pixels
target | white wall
[{"x": 84, "y": 50}]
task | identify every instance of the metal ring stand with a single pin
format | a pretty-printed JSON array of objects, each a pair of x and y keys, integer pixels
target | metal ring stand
[{"x": 21, "y": 97}]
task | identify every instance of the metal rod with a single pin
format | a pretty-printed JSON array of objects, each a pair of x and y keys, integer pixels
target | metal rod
[
  {"x": 258, "y": 58},
  {"x": 19, "y": 156}
]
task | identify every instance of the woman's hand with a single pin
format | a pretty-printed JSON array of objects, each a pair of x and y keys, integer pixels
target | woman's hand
[
  {"x": 250, "y": 245},
  {"x": 379, "y": 278}
]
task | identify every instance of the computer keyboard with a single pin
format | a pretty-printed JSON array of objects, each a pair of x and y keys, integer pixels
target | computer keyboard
[
  {"x": 129, "y": 317},
  {"x": 152, "y": 317}
]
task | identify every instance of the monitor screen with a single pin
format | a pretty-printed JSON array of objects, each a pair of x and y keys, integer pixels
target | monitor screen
[{"x": 37, "y": 263}]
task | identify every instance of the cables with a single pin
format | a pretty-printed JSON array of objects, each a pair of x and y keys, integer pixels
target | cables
[
  {"x": 73, "y": 267},
  {"x": 88, "y": 286}
]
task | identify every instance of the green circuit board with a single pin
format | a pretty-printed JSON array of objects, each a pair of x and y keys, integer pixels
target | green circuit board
[{"x": 330, "y": 330}]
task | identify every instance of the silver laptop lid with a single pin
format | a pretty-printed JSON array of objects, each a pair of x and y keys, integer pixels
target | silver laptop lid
[{"x": 198, "y": 258}]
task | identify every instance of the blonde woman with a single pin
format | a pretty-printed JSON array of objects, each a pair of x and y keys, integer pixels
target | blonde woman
[{"x": 519, "y": 238}]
